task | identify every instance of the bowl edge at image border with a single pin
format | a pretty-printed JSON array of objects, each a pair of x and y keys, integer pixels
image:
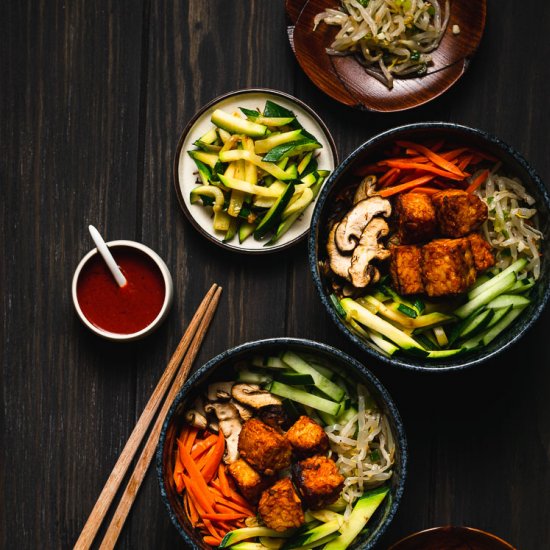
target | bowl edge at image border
[
  {"x": 175, "y": 167},
  {"x": 410, "y": 363},
  {"x": 383, "y": 396}
]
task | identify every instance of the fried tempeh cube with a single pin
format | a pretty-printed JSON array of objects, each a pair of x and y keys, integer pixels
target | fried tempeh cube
[
  {"x": 481, "y": 249},
  {"x": 406, "y": 270},
  {"x": 280, "y": 506},
  {"x": 447, "y": 267},
  {"x": 263, "y": 447},
  {"x": 249, "y": 481},
  {"x": 458, "y": 213},
  {"x": 318, "y": 480},
  {"x": 307, "y": 437},
  {"x": 416, "y": 218}
]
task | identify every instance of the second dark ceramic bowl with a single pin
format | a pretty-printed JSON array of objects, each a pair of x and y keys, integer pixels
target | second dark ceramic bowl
[
  {"x": 218, "y": 369},
  {"x": 372, "y": 150}
]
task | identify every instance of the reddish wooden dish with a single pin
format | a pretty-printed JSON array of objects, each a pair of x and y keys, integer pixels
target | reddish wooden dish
[{"x": 345, "y": 80}]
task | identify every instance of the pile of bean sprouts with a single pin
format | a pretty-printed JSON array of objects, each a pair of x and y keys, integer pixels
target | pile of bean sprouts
[
  {"x": 511, "y": 227},
  {"x": 388, "y": 37},
  {"x": 365, "y": 449}
]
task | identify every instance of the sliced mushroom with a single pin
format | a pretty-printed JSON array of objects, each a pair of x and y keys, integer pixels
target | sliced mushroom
[
  {"x": 352, "y": 226},
  {"x": 244, "y": 412},
  {"x": 253, "y": 396},
  {"x": 230, "y": 426},
  {"x": 339, "y": 264},
  {"x": 196, "y": 419},
  {"x": 362, "y": 272},
  {"x": 274, "y": 416},
  {"x": 219, "y": 391},
  {"x": 365, "y": 189}
]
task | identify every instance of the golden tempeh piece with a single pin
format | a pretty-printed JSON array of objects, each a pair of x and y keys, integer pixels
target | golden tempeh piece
[
  {"x": 416, "y": 218},
  {"x": 307, "y": 437},
  {"x": 458, "y": 213},
  {"x": 249, "y": 481},
  {"x": 280, "y": 506},
  {"x": 406, "y": 269}
]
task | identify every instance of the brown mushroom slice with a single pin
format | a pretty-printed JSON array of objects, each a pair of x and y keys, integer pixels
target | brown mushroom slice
[
  {"x": 246, "y": 413},
  {"x": 253, "y": 396},
  {"x": 339, "y": 264},
  {"x": 365, "y": 189},
  {"x": 230, "y": 426},
  {"x": 219, "y": 391},
  {"x": 350, "y": 229},
  {"x": 362, "y": 272},
  {"x": 196, "y": 419}
]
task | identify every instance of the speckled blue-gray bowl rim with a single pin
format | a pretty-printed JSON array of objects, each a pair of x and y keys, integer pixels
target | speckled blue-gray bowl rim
[
  {"x": 512, "y": 334},
  {"x": 382, "y": 396}
]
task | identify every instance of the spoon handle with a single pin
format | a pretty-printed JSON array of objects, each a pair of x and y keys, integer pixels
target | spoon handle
[{"x": 107, "y": 256}]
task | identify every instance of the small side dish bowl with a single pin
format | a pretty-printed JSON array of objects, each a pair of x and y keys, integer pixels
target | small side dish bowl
[
  {"x": 224, "y": 367},
  {"x": 187, "y": 176},
  {"x": 449, "y": 538},
  {"x": 328, "y": 211},
  {"x": 123, "y": 314}
]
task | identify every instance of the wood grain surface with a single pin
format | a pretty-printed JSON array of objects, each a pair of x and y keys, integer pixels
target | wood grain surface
[{"x": 93, "y": 97}]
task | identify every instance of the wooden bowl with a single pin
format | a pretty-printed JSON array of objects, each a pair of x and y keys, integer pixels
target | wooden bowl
[
  {"x": 220, "y": 368},
  {"x": 451, "y": 538},
  {"x": 345, "y": 80}
]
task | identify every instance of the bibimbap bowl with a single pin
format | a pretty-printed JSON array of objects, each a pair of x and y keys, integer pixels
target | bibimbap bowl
[
  {"x": 270, "y": 359},
  {"x": 472, "y": 325}
]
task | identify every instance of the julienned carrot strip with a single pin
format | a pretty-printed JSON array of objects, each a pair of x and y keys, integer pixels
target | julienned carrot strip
[
  {"x": 478, "y": 181},
  {"x": 391, "y": 180},
  {"x": 189, "y": 437},
  {"x": 212, "y": 541},
  {"x": 465, "y": 161},
  {"x": 224, "y": 517},
  {"x": 224, "y": 483},
  {"x": 204, "y": 502},
  {"x": 211, "y": 529},
  {"x": 203, "y": 446},
  {"x": 424, "y": 168},
  {"x": 178, "y": 473},
  {"x": 220, "y": 501},
  {"x": 234, "y": 496},
  {"x": 453, "y": 153},
  {"x": 195, "y": 476},
  {"x": 213, "y": 462},
  {"x": 389, "y": 191},
  {"x": 425, "y": 190},
  {"x": 203, "y": 460},
  {"x": 191, "y": 509},
  {"x": 438, "y": 160},
  {"x": 383, "y": 179}
]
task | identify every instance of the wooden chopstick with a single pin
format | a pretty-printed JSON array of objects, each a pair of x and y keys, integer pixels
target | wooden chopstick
[
  {"x": 129, "y": 495},
  {"x": 188, "y": 344}
]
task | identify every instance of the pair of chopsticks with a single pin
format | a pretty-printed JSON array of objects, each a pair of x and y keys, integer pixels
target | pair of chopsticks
[{"x": 175, "y": 374}]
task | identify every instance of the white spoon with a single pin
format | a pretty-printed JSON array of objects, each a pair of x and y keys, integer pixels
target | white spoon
[{"x": 107, "y": 256}]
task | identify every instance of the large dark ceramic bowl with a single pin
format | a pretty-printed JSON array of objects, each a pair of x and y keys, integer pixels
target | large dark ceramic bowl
[
  {"x": 372, "y": 150},
  {"x": 220, "y": 368}
]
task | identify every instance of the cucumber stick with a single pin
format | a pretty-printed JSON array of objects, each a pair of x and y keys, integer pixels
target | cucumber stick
[
  {"x": 373, "y": 322},
  {"x": 237, "y": 125},
  {"x": 305, "y": 398},
  {"x": 314, "y": 535},
  {"x": 250, "y": 532},
  {"x": 360, "y": 515},
  {"x": 517, "y": 266},
  {"x": 490, "y": 293},
  {"x": 322, "y": 383}
]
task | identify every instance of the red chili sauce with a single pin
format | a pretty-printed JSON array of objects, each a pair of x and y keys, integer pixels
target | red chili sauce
[{"x": 121, "y": 310}]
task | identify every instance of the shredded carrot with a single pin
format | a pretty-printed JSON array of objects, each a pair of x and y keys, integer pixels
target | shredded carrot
[
  {"x": 203, "y": 460},
  {"x": 438, "y": 160},
  {"x": 212, "y": 530},
  {"x": 478, "y": 181},
  {"x": 224, "y": 517},
  {"x": 406, "y": 165},
  {"x": 465, "y": 161},
  {"x": 212, "y": 541},
  {"x": 220, "y": 501},
  {"x": 384, "y": 180},
  {"x": 425, "y": 190},
  {"x": 389, "y": 191},
  {"x": 224, "y": 483},
  {"x": 178, "y": 472},
  {"x": 189, "y": 436},
  {"x": 212, "y": 464},
  {"x": 233, "y": 496},
  {"x": 454, "y": 153},
  {"x": 203, "y": 445}
]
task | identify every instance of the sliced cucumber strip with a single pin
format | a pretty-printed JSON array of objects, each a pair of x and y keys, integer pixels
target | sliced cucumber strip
[
  {"x": 237, "y": 125},
  {"x": 273, "y": 215},
  {"x": 505, "y": 300},
  {"x": 303, "y": 397},
  {"x": 517, "y": 266}
]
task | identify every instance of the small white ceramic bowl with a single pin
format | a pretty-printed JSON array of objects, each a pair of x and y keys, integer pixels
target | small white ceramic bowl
[
  {"x": 168, "y": 293},
  {"x": 185, "y": 170}
]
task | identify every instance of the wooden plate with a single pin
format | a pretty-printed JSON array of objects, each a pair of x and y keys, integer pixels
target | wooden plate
[{"x": 345, "y": 80}]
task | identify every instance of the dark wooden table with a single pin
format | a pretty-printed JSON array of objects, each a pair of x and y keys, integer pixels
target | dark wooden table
[{"x": 94, "y": 96}]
